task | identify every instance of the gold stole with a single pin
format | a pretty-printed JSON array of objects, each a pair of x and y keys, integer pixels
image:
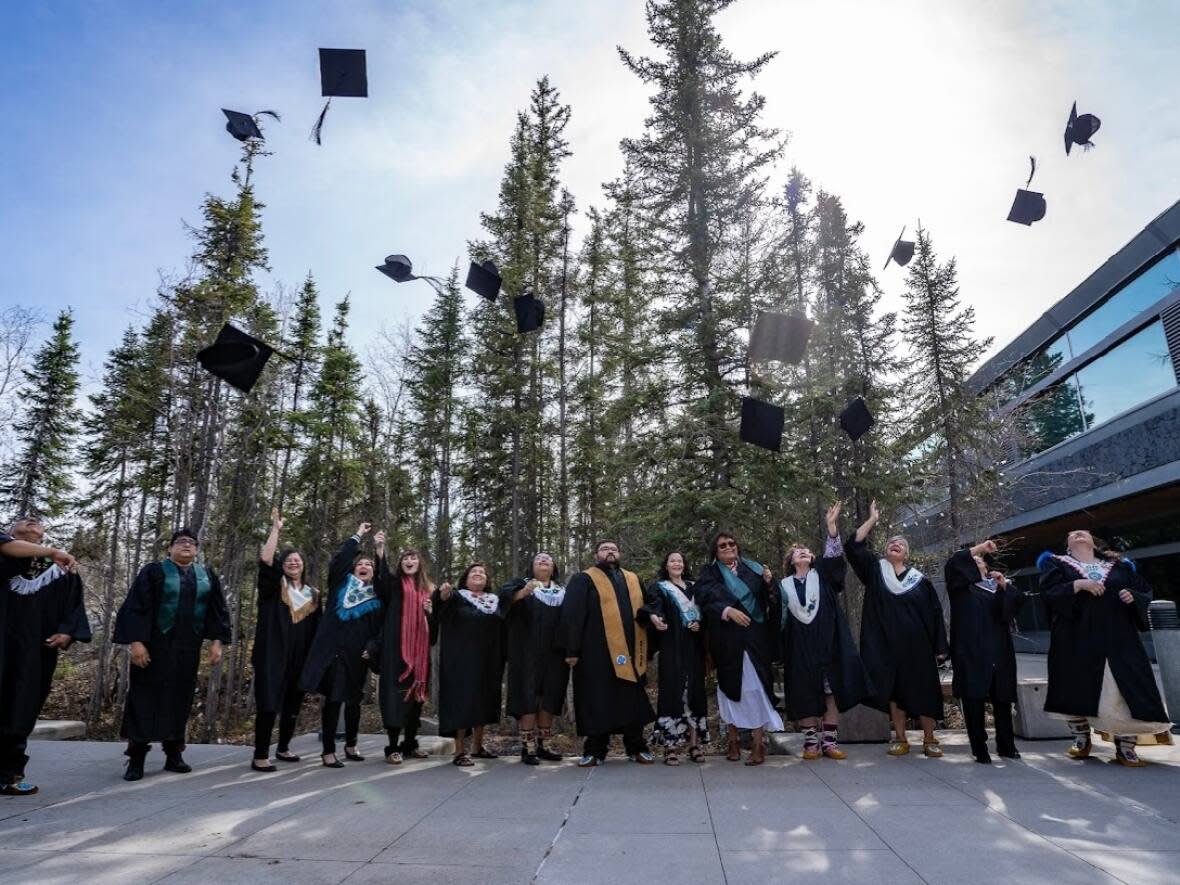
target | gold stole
[{"x": 612, "y": 622}]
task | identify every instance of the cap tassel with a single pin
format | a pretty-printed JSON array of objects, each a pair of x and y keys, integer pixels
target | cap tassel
[
  {"x": 1032, "y": 170},
  {"x": 319, "y": 123}
]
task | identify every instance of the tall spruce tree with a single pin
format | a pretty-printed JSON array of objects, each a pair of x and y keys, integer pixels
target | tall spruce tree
[{"x": 39, "y": 479}]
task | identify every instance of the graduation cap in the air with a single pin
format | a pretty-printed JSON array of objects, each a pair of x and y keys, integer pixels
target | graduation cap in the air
[
  {"x": 342, "y": 75},
  {"x": 235, "y": 357},
  {"x": 1029, "y": 206},
  {"x": 902, "y": 251},
  {"x": 1079, "y": 129},
  {"x": 484, "y": 279},
  {"x": 398, "y": 268},
  {"x": 856, "y": 419},
  {"x": 245, "y": 126},
  {"x": 762, "y": 424},
  {"x": 780, "y": 336},
  {"x": 530, "y": 312}
]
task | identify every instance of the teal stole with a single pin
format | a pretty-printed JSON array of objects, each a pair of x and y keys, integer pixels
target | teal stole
[
  {"x": 166, "y": 615},
  {"x": 740, "y": 591}
]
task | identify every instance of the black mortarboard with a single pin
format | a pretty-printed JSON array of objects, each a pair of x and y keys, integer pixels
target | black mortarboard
[
  {"x": 762, "y": 424},
  {"x": 856, "y": 419},
  {"x": 530, "y": 312},
  {"x": 235, "y": 357},
  {"x": 902, "y": 252},
  {"x": 780, "y": 336},
  {"x": 1029, "y": 206},
  {"x": 398, "y": 268},
  {"x": 342, "y": 75},
  {"x": 1079, "y": 129},
  {"x": 484, "y": 279},
  {"x": 241, "y": 126}
]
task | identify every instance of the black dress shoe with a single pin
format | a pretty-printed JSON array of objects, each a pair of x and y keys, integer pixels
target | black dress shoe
[
  {"x": 177, "y": 764},
  {"x": 134, "y": 770},
  {"x": 353, "y": 756},
  {"x": 1015, "y": 754},
  {"x": 528, "y": 758},
  {"x": 984, "y": 758},
  {"x": 548, "y": 755}
]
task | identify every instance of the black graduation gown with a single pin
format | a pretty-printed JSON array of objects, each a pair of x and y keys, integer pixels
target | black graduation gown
[
  {"x": 727, "y": 641},
  {"x": 900, "y": 637},
  {"x": 536, "y": 667},
  {"x": 682, "y": 655},
  {"x": 280, "y": 645},
  {"x": 391, "y": 690},
  {"x": 603, "y": 703},
  {"x": 335, "y": 667},
  {"x": 470, "y": 662},
  {"x": 1087, "y": 632},
  {"x": 9, "y": 566},
  {"x": 41, "y": 602},
  {"x": 821, "y": 649},
  {"x": 981, "y": 638},
  {"x": 160, "y": 695}
]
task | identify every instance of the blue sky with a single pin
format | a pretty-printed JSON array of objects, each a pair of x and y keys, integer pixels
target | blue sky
[{"x": 112, "y": 133}]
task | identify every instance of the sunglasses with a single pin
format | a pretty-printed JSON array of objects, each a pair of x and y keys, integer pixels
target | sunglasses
[{"x": 725, "y": 545}]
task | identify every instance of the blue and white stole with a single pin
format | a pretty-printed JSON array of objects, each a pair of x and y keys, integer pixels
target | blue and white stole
[
  {"x": 690, "y": 613},
  {"x": 805, "y": 611},
  {"x": 897, "y": 586},
  {"x": 738, "y": 588},
  {"x": 356, "y": 599}
]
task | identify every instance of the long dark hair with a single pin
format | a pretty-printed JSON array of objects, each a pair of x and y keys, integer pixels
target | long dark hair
[
  {"x": 663, "y": 570},
  {"x": 421, "y": 577},
  {"x": 720, "y": 536},
  {"x": 284, "y": 555}
]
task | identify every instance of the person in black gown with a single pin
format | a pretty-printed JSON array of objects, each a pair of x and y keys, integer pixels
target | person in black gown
[
  {"x": 1099, "y": 673},
  {"x": 468, "y": 625},
  {"x": 902, "y": 636},
  {"x": 983, "y": 604},
  {"x": 288, "y": 614},
  {"x": 537, "y": 673},
  {"x": 680, "y": 643},
  {"x": 45, "y": 616},
  {"x": 742, "y": 622},
  {"x": 823, "y": 671},
  {"x": 336, "y": 665},
  {"x": 603, "y": 633},
  {"x": 172, "y": 607},
  {"x": 404, "y": 656}
]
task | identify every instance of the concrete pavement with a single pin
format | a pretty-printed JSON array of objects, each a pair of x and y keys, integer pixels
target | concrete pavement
[{"x": 870, "y": 819}]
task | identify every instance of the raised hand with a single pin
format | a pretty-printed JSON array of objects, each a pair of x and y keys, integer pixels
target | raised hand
[
  {"x": 874, "y": 513},
  {"x": 276, "y": 518},
  {"x": 64, "y": 560},
  {"x": 767, "y": 575},
  {"x": 833, "y": 519},
  {"x": 445, "y": 590},
  {"x": 363, "y": 528},
  {"x": 379, "y": 543},
  {"x": 999, "y": 578}
]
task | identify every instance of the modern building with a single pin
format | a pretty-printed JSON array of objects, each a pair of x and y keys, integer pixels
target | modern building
[{"x": 1091, "y": 392}]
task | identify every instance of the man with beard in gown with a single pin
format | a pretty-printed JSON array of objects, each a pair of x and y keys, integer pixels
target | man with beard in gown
[
  {"x": 172, "y": 607},
  {"x": 45, "y": 615},
  {"x": 603, "y": 631}
]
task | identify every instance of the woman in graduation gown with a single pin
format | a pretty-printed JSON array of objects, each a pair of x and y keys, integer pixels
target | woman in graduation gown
[
  {"x": 823, "y": 671},
  {"x": 537, "y": 673},
  {"x": 172, "y": 607},
  {"x": 902, "y": 636},
  {"x": 45, "y": 616},
  {"x": 680, "y": 643},
  {"x": 742, "y": 621},
  {"x": 468, "y": 626},
  {"x": 983, "y": 604},
  {"x": 288, "y": 614},
  {"x": 404, "y": 656},
  {"x": 1099, "y": 674},
  {"x": 336, "y": 665}
]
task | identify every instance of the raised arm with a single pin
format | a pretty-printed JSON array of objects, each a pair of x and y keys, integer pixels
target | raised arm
[
  {"x": 831, "y": 565},
  {"x": 17, "y": 549},
  {"x": 868, "y": 525},
  {"x": 271, "y": 544},
  {"x": 342, "y": 562}
]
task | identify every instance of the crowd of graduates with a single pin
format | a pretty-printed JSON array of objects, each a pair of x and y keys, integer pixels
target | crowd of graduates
[{"x": 381, "y": 614}]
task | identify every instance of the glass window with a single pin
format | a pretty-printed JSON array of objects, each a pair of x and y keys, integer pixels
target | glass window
[
  {"x": 1054, "y": 416},
  {"x": 1045, "y": 361},
  {"x": 1128, "y": 302},
  {"x": 1127, "y": 375}
]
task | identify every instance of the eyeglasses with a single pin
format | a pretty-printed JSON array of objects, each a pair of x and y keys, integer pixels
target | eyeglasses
[
  {"x": 609, "y": 548},
  {"x": 184, "y": 542},
  {"x": 725, "y": 545}
]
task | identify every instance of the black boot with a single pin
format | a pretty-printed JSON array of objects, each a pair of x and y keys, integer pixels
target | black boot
[
  {"x": 528, "y": 750},
  {"x": 542, "y": 751},
  {"x": 174, "y": 762},
  {"x": 134, "y": 770}
]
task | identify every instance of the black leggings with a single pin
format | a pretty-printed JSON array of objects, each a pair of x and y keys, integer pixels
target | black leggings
[
  {"x": 331, "y": 716},
  {"x": 413, "y": 723},
  {"x": 973, "y": 713},
  {"x": 264, "y": 723}
]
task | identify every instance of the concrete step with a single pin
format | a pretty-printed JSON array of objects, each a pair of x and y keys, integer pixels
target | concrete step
[{"x": 58, "y": 730}]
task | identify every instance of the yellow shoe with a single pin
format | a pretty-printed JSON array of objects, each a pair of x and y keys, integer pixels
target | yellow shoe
[
  {"x": 1130, "y": 763},
  {"x": 1076, "y": 752},
  {"x": 899, "y": 748},
  {"x": 835, "y": 753},
  {"x": 810, "y": 754},
  {"x": 932, "y": 749}
]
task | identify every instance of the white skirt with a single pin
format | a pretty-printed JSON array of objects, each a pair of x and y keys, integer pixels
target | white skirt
[
  {"x": 754, "y": 710},
  {"x": 1114, "y": 716}
]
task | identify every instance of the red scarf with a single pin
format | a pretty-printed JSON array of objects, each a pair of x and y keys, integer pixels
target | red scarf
[{"x": 415, "y": 639}]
